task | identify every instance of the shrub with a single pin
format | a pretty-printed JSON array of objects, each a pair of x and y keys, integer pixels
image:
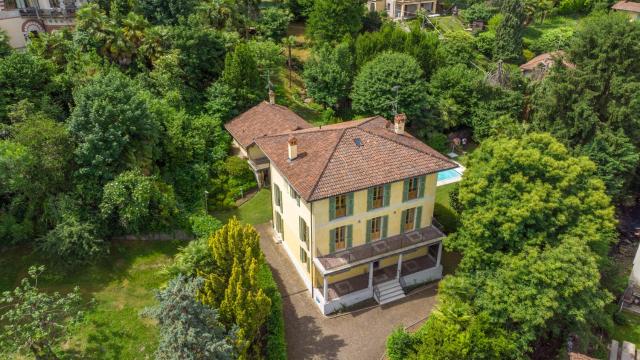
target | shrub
[
  {"x": 399, "y": 344},
  {"x": 276, "y": 346},
  {"x": 552, "y": 40},
  {"x": 191, "y": 258},
  {"x": 204, "y": 225},
  {"x": 273, "y": 23},
  {"x": 438, "y": 141},
  {"x": 74, "y": 242},
  {"x": 478, "y": 11}
]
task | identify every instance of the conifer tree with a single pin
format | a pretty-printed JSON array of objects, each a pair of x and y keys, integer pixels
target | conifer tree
[{"x": 508, "y": 44}]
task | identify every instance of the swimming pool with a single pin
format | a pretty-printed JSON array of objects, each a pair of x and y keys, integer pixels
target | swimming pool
[{"x": 449, "y": 175}]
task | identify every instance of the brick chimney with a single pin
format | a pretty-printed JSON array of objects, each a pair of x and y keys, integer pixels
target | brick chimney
[
  {"x": 272, "y": 97},
  {"x": 293, "y": 147},
  {"x": 398, "y": 123}
]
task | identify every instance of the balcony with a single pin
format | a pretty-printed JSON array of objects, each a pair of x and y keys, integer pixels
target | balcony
[
  {"x": 259, "y": 164},
  {"x": 68, "y": 11},
  {"x": 345, "y": 259}
]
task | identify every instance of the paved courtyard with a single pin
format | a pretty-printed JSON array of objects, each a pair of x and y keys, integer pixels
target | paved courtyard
[{"x": 357, "y": 335}]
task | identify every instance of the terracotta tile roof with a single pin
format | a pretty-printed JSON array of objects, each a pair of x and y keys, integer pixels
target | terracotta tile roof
[
  {"x": 546, "y": 59},
  {"x": 330, "y": 162},
  {"x": 262, "y": 120},
  {"x": 627, "y": 6}
]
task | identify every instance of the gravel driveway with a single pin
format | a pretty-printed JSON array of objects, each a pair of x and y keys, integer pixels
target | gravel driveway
[{"x": 357, "y": 335}]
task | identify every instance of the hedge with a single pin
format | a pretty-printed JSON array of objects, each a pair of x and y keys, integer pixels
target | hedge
[{"x": 276, "y": 346}]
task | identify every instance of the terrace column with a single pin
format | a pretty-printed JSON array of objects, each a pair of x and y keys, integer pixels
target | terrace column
[
  {"x": 325, "y": 289},
  {"x": 439, "y": 253},
  {"x": 399, "y": 267},
  {"x": 370, "y": 275}
]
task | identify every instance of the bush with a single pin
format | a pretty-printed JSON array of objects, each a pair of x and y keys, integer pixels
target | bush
[
  {"x": 191, "y": 258},
  {"x": 478, "y": 11},
  {"x": 552, "y": 40},
  {"x": 438, "y": 141},
  {"x": 204, "y": 225},
  {"x": 276, "y": 346},
  {"x": 74, "y": 242},
  {"x": 399, "y": 344},
  {"x": 485, "y": 42},
  {"x": 273, "y": 23}
]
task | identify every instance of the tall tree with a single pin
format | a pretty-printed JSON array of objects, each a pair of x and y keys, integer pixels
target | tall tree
[
  {"x": 188, "y": 329},
  {"x": 34, "y": 321},
  {"x": 508, "y": 45},
  {"x": 331, "y": 20},
  {"x": 113, "y": 129},
  {"x": 166, "y": 12},
  {"x": 328, "y": 74},
  {"x": 388, "y": 79},
  {"x": 536, "y": 227},
  {"x": 594, "y": 104}
]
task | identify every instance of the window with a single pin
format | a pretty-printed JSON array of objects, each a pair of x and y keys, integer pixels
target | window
[
  {"x": 413, "y": 188},
  {"x": 377, "y": 197},
  {"x": 294, "y": 195},
  {"x": 412, "y": 191},
  {"x": 375, "y": 230},
  {"x": 411, "y": 219},
  {"x": 279, "y": 224},
  {"x": 341, "y": 206},
  {"x": 54, "y": 3},
  {"x": 408, "y": 222},
  {"x": 277, "y": 195},
  {"x": 303, "y": 255},
  {"x": 303, "y": 229},
  {"x": 341, "y": 238}
]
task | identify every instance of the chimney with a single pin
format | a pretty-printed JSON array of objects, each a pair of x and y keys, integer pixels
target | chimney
[
  {"x": 272, "y": 97},
  {"x": 293, "y": 147},
  {"x": 398, "y": 123}
]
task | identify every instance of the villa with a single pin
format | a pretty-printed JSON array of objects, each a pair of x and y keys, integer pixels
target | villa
[
  {"x": 401, "y": 9},
  {"x": 352, "y": 203}
]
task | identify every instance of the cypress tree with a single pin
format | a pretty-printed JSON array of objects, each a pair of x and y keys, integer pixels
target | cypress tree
[{"x": 508, "y": 45}]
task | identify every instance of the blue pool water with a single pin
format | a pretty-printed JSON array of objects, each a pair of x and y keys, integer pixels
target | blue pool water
[{"x": 448, "y": 175}]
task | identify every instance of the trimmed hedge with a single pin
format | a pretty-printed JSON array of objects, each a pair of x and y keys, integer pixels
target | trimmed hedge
[{"x": 276, "y": 346}]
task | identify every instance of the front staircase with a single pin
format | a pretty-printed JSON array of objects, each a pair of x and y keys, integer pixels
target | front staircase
[{"x": 387, "y": 292}]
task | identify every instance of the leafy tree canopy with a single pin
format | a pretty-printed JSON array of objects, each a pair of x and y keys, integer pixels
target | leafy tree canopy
[
  {"x": 328, "y": 74},
  {"x": 331, "y": 20}
]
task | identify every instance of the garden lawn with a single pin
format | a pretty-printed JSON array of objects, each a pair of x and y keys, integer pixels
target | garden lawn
[
  {"x": 255, "y": 211},
  {"x": 122, "y": 285},
  {"x": 629, "y": 332},
  {"x": 535, "y": 30},
  {"x": 447, "y": 23}
]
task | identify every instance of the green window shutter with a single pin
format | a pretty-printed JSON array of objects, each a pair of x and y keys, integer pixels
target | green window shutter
[
  {"x": 368, "y": 230},
  {"x": 301, "y": 255},
  {"x": 418, "y": 217},
  {"x": 332, "y": 208},
  {"x": 349, "y": 236},
  {"x": 300, "y": 229},
  {"x": 298, "y": 199},
  {"x": 332, "y": 241},
  {"x": 421, "y": 184},
  {"x": 405, "y": 190},
  {"x": 402, "y": 217},
  {"x": 349, "y": 204},
  {"x": 387, "y": 194},
  {"x": 369, "y": 199},
  {"x": 385, "y": 221}
]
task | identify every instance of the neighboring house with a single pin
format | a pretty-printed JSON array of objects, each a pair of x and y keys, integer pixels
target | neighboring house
[
  {"x": 21, "y": 18},
  {"x": 629, "y": 7},
  {"x": 401, "y": 9},
  {"x": 353, "y": 206},
  {"x": 537, "y": 67},
  {"x": 264, "y": 119}
]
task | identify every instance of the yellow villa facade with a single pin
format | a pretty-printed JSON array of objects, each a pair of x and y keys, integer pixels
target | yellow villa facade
[{"x": 352, "y": 202}]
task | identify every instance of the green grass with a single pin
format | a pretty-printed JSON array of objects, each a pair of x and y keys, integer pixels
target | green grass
[
  {"x": 629, "y": 332},
  {"x": 122, "y": 285},
  {"x": 447, "y": 23},
  {"x": 255, "y": 211},
  {"x": 535, "y": 30},
  {"x": 443, "y": 211}
]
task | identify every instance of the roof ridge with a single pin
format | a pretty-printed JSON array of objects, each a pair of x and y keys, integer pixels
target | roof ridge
[
  {"x": 407, "y": 146},
  {"x": 326, "y": 164}
]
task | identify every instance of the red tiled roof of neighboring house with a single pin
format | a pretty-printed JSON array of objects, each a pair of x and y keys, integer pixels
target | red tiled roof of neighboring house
[
  {"x": 627, "y": 6},
  {"x": 545, "y": 59},
  {"x": 262, "y": 120},
  {"x": 330, "y": 162}
]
